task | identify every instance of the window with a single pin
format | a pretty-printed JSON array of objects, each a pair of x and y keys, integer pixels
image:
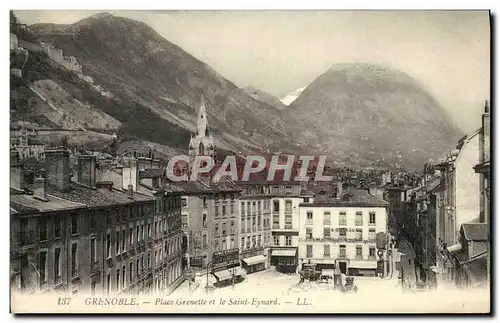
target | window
[
  {"x": 359, "y": 252},
  {"x": 342, "y": 233},
  {"x": 242, "y": 208},
  {"x": 74, "y": 257},
  {"x": 359, "y": 218},
  {"x": 123, "y": 240},
  {"x": 371, "y": 234},
  {"x": 204, "y": 220},
  {"x": 204, "y": 240},
  {"x": 108, "y": 283},
  {"x": 276, "y": 240},
  {"x": 342, "y": 251},
  {"x": 326, "y": 250},
  {"x": 131, "y": 236},
  {"x": 288, "y": 241},
  {"x": 276, "y": 206},
  {"x": 184, "y": 202},
  {"x": 93, "y": 249},
  {"x": 204, "y": 199},
  {"x": 216, "y": 211},
  {"x": 372, "y": 218},
  {"x": 242, "y": 242},
  {"x": 108, "y": 245},
  {"x": 149, "y": 230},
  {"x": 359, "y": 234},
  {"x": 123, "y": 277},
  {"x": 342, "y": 218},
  {"x": 276, "y": 189},
  {"x": 57, "y": 266},
  {"x": 74, "y": 224},
  {"x": 309, "y": 217},
  {"x": 372, "y": 252},
  {"x": 288, "y": 190},
  {"x": 130, "y": 271},
  {"x": 117, "y": 287},
  {"x": 232, "y": 207},
  {"x": 117, "y": 242},
  {"x": 326, "y": 233},
  {"x": 42, "y": 269},
  {"x": 42, "y": 228},
  {"x": 223, "y": 210},
  {"x": 217, "y": 230},
  {"x": 306, "y": 200},
  {"x": 309, "y": 251},
  {"x": 57, "y": 227},
  {"x": 288, "y": 206},
  {"x": 93, "y": 221},
  {"x": 259, "y": 207},
  {"x": 309, "y": 233},
  {"x": 326, "y": 218}
]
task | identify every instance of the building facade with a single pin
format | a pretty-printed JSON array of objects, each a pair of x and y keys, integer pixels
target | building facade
[
  {"x": 90, "y": 237},
  {"x": 341, "y": 232}
]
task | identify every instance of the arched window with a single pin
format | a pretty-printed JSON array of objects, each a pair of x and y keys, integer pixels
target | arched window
[{"x": 201, "y": 149}]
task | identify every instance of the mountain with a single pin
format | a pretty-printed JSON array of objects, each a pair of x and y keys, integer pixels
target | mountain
[
  {"x": 290, "y": 97},
  {"x": 157, "y": 79},
  {"x": 369, "y": 114},
  {"x": 265, "y": 97}
]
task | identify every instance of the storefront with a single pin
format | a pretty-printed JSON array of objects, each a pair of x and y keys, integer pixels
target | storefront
[
  {"x": 254, "y": 264},
  {"x": 363, "y": 268},
  {"x": 285, "y": 259}
]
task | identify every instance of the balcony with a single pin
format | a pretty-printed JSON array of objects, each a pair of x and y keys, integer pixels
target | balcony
[
  {"x": 327, "y": 256},
  {"x": 309, "y": 222},
  {"x": 337, "y": 240},
  {"x": 359, "y": 223},
  {"x": 327, "y": 222},
  {"x": 276, "y": 225},
  {"x": 371, "y": 224},
  {"x": 343, "y": 223},
  {"x": 358, "y": 257},
  {"x": 94, "y": 268},
  {"x": 371, "y": 258},
  {"x": 288, "y": 226},
  {"x": 342, "y": 255}
]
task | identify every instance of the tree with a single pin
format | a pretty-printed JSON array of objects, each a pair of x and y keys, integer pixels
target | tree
[{"x": 14, "y": 23}]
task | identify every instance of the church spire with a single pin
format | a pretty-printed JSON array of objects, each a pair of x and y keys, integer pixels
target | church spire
[{"x": 202, "y": 124}]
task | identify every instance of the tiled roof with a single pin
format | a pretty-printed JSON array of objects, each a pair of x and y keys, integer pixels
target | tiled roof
[
  {"x": 27, "y": 204},
  {"x": 193, "y": 187},
  {"x": 97, "y": 197},
  {"x": 225, "y": 184},
  {"x": 350, "y": 197},
  {"x": 475, "y": 231}
]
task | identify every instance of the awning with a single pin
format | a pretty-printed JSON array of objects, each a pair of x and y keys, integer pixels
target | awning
[
  {"x": 236, "y": 270},
  {"x": 454, "y": 248},
  {"x": 223, "y": 275},
  {"x": 254, "y": 260},
  {"x": 327, "y": 272},
  {"x": 363, "y": 264},
  {"x": 284, "y": 252}
]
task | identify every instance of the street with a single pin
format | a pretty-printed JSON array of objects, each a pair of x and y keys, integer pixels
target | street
[{"x": 410, "y": 275}]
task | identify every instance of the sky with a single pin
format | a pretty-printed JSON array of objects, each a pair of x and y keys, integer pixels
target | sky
[{"x": 448, "y": 52}]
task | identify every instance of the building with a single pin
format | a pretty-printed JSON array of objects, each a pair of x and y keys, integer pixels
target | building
[
  {"x": 202, "y": 144},
  {"x": 25, "y": 143},
  {"x": 341, "y": 230},
  {"x": 254, "y": 220},
  {"x": 87, "y": 236},
  {"x": 287, "y": 196}
]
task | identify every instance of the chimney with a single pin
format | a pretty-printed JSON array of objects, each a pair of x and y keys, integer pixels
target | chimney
[
  {"x": 57, "y": 168},
  {"x": 130, "y": 191},
  {"x": 339, "y": 190},
  {"x": 16, "y": 176},
  {"x": 86, "y": 170},
  {"x": 40, "y": 189}
]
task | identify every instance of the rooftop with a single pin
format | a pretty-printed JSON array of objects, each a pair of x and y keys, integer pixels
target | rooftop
[
  {"x": 24, "y": 203},
  {"x": 350, "y": 197},
  {"x": 475, "y": 231}
]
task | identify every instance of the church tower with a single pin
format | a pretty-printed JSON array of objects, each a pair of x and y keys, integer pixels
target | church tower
[{"x": 202, "y": 144}]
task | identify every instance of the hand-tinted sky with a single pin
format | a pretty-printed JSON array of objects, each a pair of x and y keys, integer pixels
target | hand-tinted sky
[{"x": 280, "y": 51}]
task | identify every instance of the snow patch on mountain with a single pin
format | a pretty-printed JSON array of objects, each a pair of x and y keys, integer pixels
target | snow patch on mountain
[{"x": 290, "y": 97}]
